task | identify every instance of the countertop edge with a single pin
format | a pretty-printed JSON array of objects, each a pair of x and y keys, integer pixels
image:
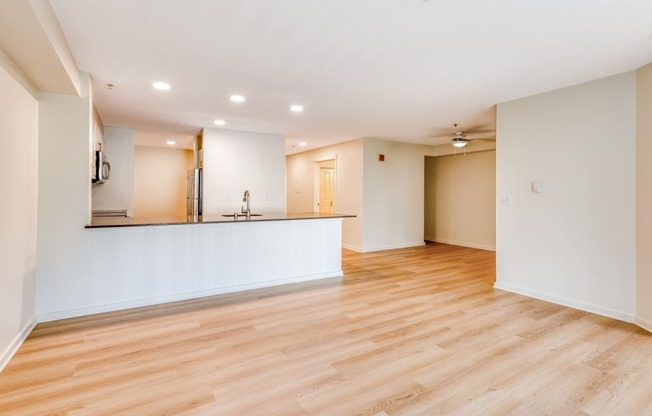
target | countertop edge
[{"x": 107, "y": 223}]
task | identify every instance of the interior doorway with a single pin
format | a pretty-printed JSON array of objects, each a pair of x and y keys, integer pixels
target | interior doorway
[
  {"x": 460, "y": 199},
  {"x": 325, "y": 176}
]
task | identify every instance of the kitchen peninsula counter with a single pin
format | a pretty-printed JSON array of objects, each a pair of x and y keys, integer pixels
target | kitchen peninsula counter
[
  {"x": 133, "y": 262},
  {"x": 108, "y": 222}
]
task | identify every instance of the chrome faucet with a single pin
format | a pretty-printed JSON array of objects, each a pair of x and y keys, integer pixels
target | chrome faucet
[{"x": 245, "y": 198}]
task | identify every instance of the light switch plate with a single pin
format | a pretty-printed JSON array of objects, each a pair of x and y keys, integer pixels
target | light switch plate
[{"x": 537, "y": 187}]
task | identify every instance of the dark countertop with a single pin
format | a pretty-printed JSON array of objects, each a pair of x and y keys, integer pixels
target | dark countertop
[{"x": 108, "y": 222}]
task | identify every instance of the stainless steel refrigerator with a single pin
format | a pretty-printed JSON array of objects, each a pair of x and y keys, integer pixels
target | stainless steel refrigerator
[{"x": 194, "y": 197}]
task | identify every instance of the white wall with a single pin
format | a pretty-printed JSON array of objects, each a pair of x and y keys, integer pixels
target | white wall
[
  {"x": 160, "y": 181},
  {"x": 65, "y": 150},
  {"x": 393, "y": 195},
  {"x": 644, "y": 196},
  {"x": 236, "y": 161},
  {"x": 117, "y": 192},
  {"x": 301, "y": 189},
  {"x": 460, "y": 199},
  {"x": 18, "y": 211},
  {"x": 573, "y": 244}
]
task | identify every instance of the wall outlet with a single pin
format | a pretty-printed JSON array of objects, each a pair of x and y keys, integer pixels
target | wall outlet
[
  {"x": 268, "y": 197},
  {"x": 505, "y": 200}
]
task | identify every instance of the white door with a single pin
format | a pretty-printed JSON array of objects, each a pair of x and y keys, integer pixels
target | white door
[{"x": 326, "y": 189}]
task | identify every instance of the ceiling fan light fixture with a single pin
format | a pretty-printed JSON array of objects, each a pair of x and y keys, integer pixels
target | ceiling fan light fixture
[
  {"x": 459, "y": 141},
  {"x": 163, "y": 86}
]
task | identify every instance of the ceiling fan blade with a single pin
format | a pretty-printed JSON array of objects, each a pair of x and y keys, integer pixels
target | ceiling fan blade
[
  {"x": 483, "y": 140},
  {"x": 484, "y": 130},
  {"x": 442, "y": 134}
]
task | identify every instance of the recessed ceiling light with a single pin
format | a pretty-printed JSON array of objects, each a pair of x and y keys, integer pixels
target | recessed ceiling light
[
  {"x": 237, "y": 98},
  {"x": 161, "y": 85},
  {"x": 220, "y": 122},
  {"x": 303, "y": 144},
  {"x": 296, "y": 108},
  {"x": 171, "y": 142}
]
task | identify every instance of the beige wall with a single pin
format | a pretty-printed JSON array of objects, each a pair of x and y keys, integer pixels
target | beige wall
[
  {"x": 644, "y": 196},
  {"x": 348, "y": 187},
  {"x": 575, "y": 243},
  {"x": 393, "y": 194},
  {"x": 18, "y": 211},
  {"x": 460, "y": 199},
  {"x": 386, "y": 197},
  {"x": 160, "y": 180}
]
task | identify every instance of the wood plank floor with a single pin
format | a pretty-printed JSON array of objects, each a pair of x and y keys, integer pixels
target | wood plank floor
[{"x": 416, "y": 331}]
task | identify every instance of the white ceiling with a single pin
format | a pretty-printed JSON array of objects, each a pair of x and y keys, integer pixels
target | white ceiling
[{"x": 398, "y": 69}]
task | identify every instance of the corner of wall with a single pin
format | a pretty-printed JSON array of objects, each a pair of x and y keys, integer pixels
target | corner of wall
[
  {"x": 8, "y": 65},
  {"x": 644, "y": 196},
  {"x": 50, "y": 24},
  {"x": 11, "y": 349},
  {"x": 644, "y": 323}
]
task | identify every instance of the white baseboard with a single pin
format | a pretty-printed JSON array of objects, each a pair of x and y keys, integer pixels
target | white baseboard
[
  {"x": 610, "y": 313},
  {"x": 461, "y": 243},
  {"x": 12, "y": 348},
  {"x": 392, "y": 247},
  {"x": 353, "y": 248},
  {"x": 643, "y": 323},
  {"x": 91, "y": 310}
]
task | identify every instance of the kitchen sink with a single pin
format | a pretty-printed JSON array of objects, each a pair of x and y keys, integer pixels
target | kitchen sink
[{"x": 242, "y": 215}]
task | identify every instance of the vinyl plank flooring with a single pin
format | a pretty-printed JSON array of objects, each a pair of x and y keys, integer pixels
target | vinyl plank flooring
[{"x": 415, "y": 331}]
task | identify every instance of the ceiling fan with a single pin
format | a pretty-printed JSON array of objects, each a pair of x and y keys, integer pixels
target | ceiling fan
[{"x": 461, "y": 138}]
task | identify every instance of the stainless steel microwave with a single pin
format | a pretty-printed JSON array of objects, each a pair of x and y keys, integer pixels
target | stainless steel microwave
[{"x": 102, "y": 170}]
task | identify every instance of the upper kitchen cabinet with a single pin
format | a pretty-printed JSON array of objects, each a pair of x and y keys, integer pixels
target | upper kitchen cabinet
[
  {"x": 116, "y": 194},
  {"x": 199, "y": 150},
  {"x": 98, "y": 136},
  {"x": 98, "y": 143}
]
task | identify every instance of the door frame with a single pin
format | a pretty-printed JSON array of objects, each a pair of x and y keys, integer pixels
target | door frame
[{"x": 315, "y": 194}]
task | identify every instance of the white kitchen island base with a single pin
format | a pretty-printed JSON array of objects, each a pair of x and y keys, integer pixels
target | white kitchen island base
[{"x": 124, "y": 267}]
